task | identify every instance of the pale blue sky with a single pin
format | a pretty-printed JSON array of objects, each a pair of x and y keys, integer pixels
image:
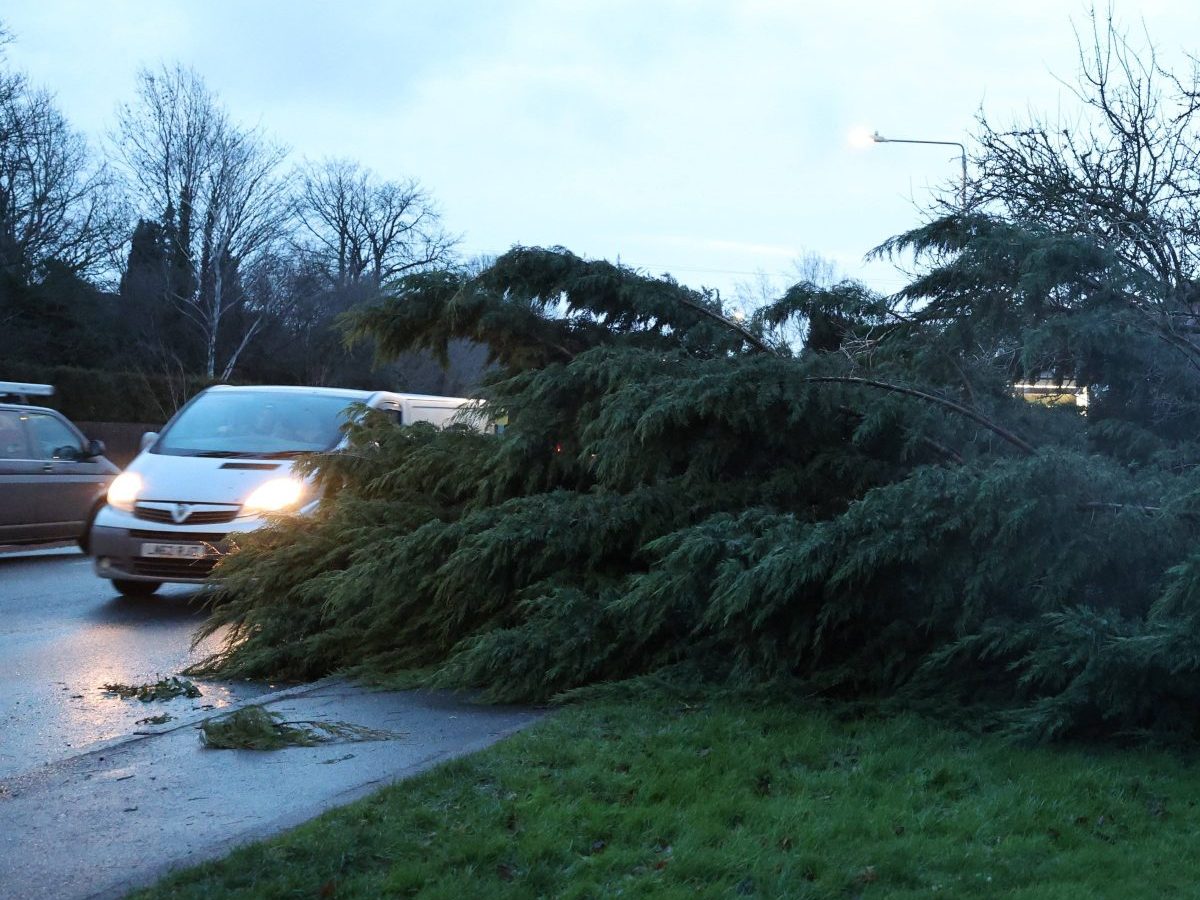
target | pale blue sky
[{"x": 707, "y": 139}]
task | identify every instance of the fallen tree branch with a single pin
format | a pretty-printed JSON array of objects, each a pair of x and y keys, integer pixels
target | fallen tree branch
[
  {"x": 1117, "y": 507},
  {"x": 971, "y": 414},
  {"x": 745, "y": 333}
]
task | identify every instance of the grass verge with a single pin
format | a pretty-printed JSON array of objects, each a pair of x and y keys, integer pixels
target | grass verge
[{"x": 724, "y": 799}]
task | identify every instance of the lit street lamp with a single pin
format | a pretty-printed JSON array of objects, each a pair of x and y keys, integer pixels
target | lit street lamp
[{"x": 880, "y": 139}]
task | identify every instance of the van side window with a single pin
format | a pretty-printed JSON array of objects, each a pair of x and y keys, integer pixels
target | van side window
[
  {"x": 51, "y": 439},
  {"x": 12, "y": 436}
]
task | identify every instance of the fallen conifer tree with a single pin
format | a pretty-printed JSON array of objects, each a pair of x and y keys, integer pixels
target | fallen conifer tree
[{"x": 678, "y": 494}]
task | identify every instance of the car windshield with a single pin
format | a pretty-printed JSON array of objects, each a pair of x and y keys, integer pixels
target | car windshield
[{"x": 256, "y": 424}]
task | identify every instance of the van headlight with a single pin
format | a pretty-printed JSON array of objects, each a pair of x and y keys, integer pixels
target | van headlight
[
  {"x": 276, "y": 495},
  {"x": 124, "y": 490}
]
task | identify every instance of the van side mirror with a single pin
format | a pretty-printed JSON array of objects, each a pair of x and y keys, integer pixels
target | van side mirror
[
  {"x": 147, "y": 439},
  {"x": 94, "y": 448}
]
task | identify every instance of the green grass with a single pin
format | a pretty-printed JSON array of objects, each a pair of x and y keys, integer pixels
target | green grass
[{"x": 658, "y": 799}]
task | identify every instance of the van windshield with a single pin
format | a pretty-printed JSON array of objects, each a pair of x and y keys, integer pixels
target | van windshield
[{"x": 255, "y": 424}]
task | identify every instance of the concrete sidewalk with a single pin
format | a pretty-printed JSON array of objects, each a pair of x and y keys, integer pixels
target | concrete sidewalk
[{"x": 122, "y": 814}]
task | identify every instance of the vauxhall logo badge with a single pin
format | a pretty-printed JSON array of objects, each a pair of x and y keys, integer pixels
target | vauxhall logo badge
[{"x": 180, "y": 513}]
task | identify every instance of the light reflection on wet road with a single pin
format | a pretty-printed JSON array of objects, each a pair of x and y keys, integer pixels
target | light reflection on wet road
[{"x": 64, "y": 633}]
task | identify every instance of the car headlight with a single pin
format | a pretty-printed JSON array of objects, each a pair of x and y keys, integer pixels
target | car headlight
[
  {"x": 124, "y": 490},
  {"x": 275, "y": 495}
]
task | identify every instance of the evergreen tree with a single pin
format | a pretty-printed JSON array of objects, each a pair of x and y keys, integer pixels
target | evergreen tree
[
  {"x": 674, "y": 491},
  {"x": 161, "y": 339}
]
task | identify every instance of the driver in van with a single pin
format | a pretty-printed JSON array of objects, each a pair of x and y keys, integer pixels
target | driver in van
[{"x": 266, "y": 422}]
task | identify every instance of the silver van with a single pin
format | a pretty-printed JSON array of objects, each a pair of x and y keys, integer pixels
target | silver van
[
  {"x": 222, "y": 464},
  {"x": 51, "y": 476}
]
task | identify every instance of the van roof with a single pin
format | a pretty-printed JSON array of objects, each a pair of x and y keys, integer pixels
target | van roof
[
  {"x": 348, "y": 393},
  {"x": 290, "y": 389}
]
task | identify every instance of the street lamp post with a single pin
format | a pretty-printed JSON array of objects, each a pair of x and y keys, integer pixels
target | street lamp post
[{"x": 880, "y": 139}]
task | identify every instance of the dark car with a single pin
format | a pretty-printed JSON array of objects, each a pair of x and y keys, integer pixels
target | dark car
[{"x": 52, "y": 478}]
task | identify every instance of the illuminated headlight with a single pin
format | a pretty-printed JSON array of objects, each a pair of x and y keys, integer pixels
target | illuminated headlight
[
  {"x": 124, "y": 490},
  {"x": 275, "y": 496}
]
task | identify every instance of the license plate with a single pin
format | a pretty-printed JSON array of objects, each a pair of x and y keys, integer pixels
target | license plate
[{"x": 175, "y": 551}]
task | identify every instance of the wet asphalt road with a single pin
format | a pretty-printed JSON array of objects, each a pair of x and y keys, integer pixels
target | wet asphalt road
[
  {"x": 145, "y": 800},
  {"x": 64, "y": 633}
]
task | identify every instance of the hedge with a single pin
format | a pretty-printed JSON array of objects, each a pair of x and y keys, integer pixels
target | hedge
[{"x": 96, "y": 395}]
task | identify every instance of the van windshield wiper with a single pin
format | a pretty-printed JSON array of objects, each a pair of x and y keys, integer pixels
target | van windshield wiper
[
  {"x": 242, "y": 454},
  {"x": 287, "y": 454}
]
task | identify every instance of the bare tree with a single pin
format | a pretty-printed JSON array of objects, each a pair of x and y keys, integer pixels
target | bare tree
[
  {"x": 363, "y": 231},
  {"x": 354, "y": 234},
  {"x": 1125, "y": 169},
  {"x": 215, "y": 187},
  {"x": 56, "y": 203},
  {"x": 1121, "y": 174}
]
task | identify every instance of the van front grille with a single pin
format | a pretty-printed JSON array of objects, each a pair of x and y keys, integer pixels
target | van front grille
[{"x": 196, "y": 516}]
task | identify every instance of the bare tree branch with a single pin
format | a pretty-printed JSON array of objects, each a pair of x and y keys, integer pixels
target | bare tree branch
[{"x": 361, "y": 230}]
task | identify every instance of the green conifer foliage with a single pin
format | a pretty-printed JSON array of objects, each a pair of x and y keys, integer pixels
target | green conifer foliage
[{"x": 874, "y": 514}]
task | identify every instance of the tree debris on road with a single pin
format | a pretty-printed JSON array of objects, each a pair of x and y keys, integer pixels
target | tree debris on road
[
  {"x": 163, "y": 689},
  {"x": 254, "y": 728}
]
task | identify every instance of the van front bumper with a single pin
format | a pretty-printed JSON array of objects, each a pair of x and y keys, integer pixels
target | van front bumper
[{"x": 119, "y": 542}]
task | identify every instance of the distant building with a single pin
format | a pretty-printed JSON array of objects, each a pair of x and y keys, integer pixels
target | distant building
[{"x": 1051, "y": 391}]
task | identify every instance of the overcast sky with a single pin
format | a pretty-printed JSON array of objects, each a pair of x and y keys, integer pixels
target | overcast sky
[{"x": 706, "y": 139}]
